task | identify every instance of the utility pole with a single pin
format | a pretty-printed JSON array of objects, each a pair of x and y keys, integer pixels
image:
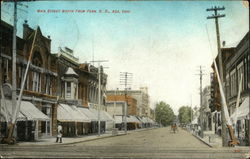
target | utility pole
[
  {"x": 191, "y": 114},
  {"x": 125, "y": 79},
  {"x": 99, "y": 94},
  {"x": 114, "y": 107},
  {"x": 201, "y": 108},
  {"x": 216, "y": 16},
  {"x": 249, "y": 75},
  {"x": 14, "y": 60}
]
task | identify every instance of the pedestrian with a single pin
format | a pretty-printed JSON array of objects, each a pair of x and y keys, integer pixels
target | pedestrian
[{"x": 59, "y": 133}]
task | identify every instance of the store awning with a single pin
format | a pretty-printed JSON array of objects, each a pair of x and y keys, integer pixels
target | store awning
[
  {"x": 104, "y": 116},
  {"x": 66, "y": 113},
  {"x": 107, "y": 116},
  {"x": 88, "y": 113},
  {"x": 243, "y": 110},
  {"x": 118, "y": 119},
  {"x": 84, "y": 118},
  {"x": 31, "y": 112},
  {"x": 28, "y": 111},
  {"x": 132, "y": 119},
  {"x": 140, "y": 119},
  {"x": 6, "y": 111},
  {"x": 145, "y": 120}
]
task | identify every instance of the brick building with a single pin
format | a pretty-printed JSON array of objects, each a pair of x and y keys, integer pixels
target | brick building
[
  {"x": 131, "y": 103},
  {"x": 40, "y": 88}
]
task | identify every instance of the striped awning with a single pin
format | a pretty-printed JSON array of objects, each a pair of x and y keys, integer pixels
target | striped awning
[
  {"x": 88, "y": 113},
  {"x": 118, "y": 119},
  {"x": 28, "y": 111},
  {"x": 104, "y": 116},
  {"x": 67, "y": 113},
  {"x": 132, "y": 119}
]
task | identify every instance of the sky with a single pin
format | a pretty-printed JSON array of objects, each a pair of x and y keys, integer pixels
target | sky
[{"x": 162, "y": 43}]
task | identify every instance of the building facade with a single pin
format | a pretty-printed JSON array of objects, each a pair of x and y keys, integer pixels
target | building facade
[
  {"x": 119, "y": 109},
  {"x": 141, "y": 96},
  {"x": 40, "y": 87},
  {"x": 235, "y": 63},
  {"x": 236, "y": 66}
]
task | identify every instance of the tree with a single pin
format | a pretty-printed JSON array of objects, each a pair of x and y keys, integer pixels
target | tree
[
  {"x": 184, "y": 114},
  {"x": 164, "y": 113}
]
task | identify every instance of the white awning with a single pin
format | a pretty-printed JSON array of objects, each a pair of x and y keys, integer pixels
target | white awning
[
  {"x": 95, "y": 112},
  {"x": 118, "y": 119},
  {"x": 6, "y": 111},
  {"x": 104, "y": 116},
  {"x": 28, "y": 111},
  {"x": 243, "y": 110},
  {"x": 132, "y": 119},
  {"x": 84, "y": 117},
  {"x": 31, "y": 112},
  {"x": 107, "y": 116},
  {"x": 66, "y": 113},
  {"x": 140, "y": 119},
  {"x": 88, "y": 113},
  {"x": 145, "y": 120}
]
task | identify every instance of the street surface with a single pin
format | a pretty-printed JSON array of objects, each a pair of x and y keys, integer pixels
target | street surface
[{"x": 154, "y": 143}]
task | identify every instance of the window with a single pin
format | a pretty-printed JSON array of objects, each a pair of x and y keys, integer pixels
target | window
[
  {"x": 21, "y": 73},
  {"x": 68, "y": 90},
  {"x": 36, "y": 85},
  {"x": 48, "y": 85},
  {"x": 240, "y": 69},
  {"x": 5, "y": 65}
]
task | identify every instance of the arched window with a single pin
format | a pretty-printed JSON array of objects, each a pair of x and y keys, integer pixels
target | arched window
[
  {"x": 37, "y": 59},
  {"x": 36, "y": 81}
]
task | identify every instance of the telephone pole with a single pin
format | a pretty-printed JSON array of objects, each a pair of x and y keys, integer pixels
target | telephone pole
[
  {"x": 125, "y": 79},
  {"x": 14, "y": 102},
  {"x": 201, "y": 108},
  {"x": 215, "y": 16}
]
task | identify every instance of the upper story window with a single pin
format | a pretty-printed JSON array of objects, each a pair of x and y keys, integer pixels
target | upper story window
[
  {"x": 5, "y": 66},
  {"x": 36, "y": 81},
  {"x": 68, "y": 88},
  {"x": 48, "y": 88}
]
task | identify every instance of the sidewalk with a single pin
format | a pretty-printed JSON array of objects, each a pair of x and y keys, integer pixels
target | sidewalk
[
  {"x": 69, "y": 140},
  {"x": 215, "y": 141},
  {"x": 77, "y": 139},
  {"x": 211, "y": 139}
]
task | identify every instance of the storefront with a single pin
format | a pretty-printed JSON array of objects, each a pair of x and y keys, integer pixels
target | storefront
[
  {"x": 27, "y": 120},
  {"x": 73, "y": 121},
  {"x": 240, "y": 121}
]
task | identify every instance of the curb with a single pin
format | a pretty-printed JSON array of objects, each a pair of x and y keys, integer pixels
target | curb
[
  {"x": 92, "y": 139},
  {"x": 202, "y": 140},
  {"x": 86, "y": 140}
]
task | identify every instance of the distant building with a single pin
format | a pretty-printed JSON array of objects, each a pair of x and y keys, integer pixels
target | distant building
[
  {"x": 115, "y": 105},
  {"x": 141, "y": 97}
]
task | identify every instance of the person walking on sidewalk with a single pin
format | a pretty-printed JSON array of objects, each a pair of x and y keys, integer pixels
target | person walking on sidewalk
[{"x": 59, "y": 133}]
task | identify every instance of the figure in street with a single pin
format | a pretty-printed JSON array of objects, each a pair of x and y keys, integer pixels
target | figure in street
[{"x": 59, "y": 133}]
